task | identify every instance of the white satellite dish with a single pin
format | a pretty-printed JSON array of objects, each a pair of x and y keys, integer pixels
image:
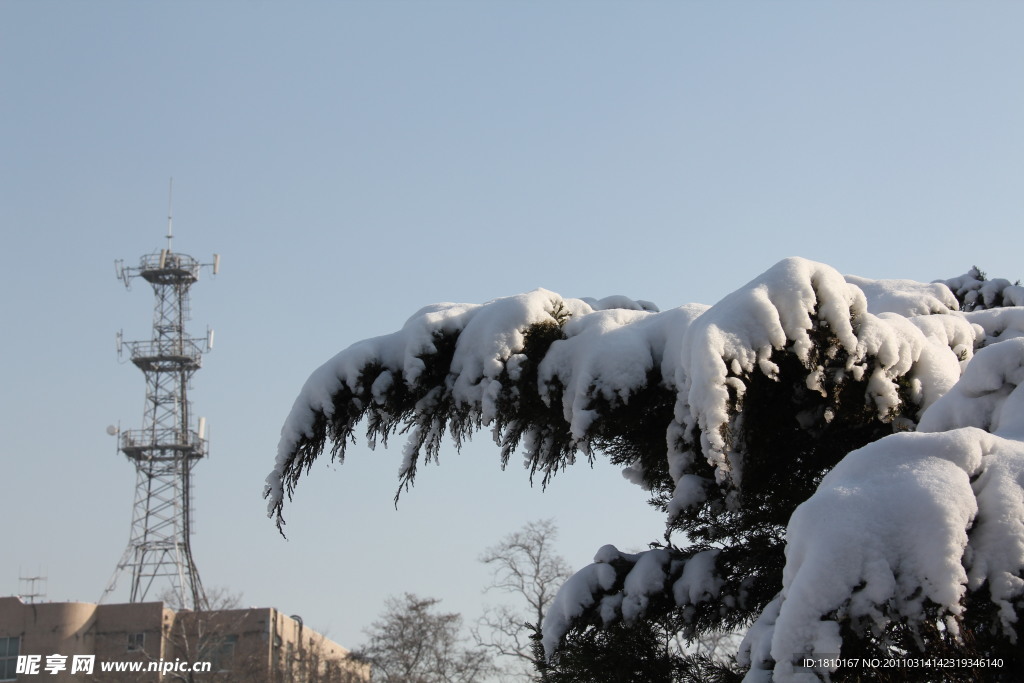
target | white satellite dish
[{"x": 112, "y": 430}]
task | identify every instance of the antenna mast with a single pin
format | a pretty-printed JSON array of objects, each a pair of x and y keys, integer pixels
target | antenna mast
[
  {"x": 170, "y": 213},
  {"x": 31, "y": 587},
  {"x": 167, "y": 447}
]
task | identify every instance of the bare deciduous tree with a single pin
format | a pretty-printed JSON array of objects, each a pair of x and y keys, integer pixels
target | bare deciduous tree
[
  {"x": 526, "y": 566},
  {"x": 412, "y": 643},
  {"x": 210, "y": 634}
]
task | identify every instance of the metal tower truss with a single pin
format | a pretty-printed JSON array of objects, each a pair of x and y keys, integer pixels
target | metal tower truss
[{"x": 167, "y": 447}]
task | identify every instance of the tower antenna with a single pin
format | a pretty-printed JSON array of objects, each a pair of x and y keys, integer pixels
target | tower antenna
[
  {"x": 166, "y": 449},
  {"x": 170, "y": 213}
]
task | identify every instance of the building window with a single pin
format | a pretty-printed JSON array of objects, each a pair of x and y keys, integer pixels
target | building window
[
  {"x": 136, "y": 642},
  {"x": 224, "y": 655},
  {"x": 9, "y": 657}
]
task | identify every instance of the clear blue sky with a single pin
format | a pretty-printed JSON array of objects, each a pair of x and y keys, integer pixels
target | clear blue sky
[{"x": 354, "y": 161}]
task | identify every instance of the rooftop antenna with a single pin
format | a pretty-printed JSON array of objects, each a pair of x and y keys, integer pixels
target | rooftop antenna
[{"x": 30, "y": 587}]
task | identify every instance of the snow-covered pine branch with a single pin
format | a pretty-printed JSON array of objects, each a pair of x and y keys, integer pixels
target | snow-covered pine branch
[
  {"x": 748, "y": 421},
  {"x": 976, "y": 292},
  {"x": 456, "y": 368}
]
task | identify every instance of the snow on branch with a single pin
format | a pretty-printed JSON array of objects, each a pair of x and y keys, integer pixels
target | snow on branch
[
  {"x": 900, "y": 530},
  {"x": 975, "y": 291},
  {"x": 805, "y": 316},
  {"x": 905, "y": 297},
  {"x": 621, "y": 586},
  {"x": 455, "y": 368},
  {"x": 549, "y": 374},
  {"x": 776, "y": 429}
]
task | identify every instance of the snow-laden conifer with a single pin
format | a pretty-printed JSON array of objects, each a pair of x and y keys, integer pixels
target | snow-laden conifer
[{"x": 776, "y": 429}]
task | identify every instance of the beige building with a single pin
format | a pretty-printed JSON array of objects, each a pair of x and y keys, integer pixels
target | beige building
[{"x": 148, "y": 642}]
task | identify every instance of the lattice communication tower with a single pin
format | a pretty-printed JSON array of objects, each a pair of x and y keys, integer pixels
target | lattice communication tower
[{"x": 167, "y": 447}]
